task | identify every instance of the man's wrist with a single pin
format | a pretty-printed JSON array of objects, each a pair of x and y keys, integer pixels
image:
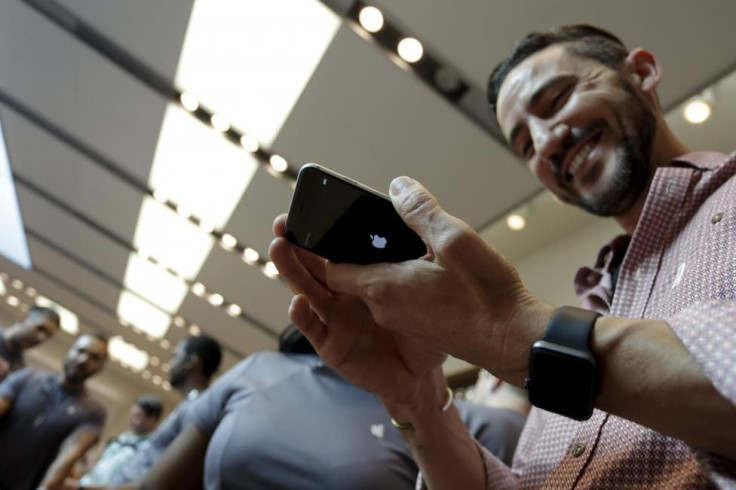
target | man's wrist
[{"x": 428, "y": 398}]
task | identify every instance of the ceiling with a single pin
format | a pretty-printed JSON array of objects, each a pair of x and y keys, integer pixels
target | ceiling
[{"x": 82, "y": 134}]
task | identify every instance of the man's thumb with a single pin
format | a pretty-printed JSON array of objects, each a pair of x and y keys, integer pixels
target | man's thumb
[{"x": 418, "y": 208}]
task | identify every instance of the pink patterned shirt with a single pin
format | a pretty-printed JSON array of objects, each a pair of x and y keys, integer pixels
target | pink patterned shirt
[{"x": 680, "y": 266}]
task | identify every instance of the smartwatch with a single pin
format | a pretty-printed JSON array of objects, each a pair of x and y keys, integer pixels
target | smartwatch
[{"x": 562, "y": 370}]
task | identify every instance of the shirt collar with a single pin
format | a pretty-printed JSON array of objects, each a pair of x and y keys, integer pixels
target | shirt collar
[{"x": 703, "y": 160}]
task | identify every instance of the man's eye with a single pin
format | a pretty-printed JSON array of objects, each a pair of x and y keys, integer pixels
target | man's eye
[{"x": 559, "y": 98}]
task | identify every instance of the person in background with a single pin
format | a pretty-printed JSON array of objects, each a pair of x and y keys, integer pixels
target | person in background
[
  {"x": 39, "y": 325},
  {"x": 636, "y": 390},
  {"x": 48, "y": 420},
  {"x": 195, "y": 361},
  {"x": 286, "y": 420},
  {"x": 144, "y": 417}
]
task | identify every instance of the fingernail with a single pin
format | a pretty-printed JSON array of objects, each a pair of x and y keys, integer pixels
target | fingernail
[{"x": 400, "y": 184}]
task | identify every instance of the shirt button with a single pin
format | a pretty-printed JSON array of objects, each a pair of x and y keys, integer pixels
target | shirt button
[
  {"x": 716, "y": 218},
  {"x": 578, "y": 450}
]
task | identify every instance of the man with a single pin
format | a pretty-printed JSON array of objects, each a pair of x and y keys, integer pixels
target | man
[
  {"x": 144, "y": 417},
  {"x": 286, "y": 420},
  {"x": 39, "y": 325},
  {"x": 195, "y": 361},
  {"x": 582, "y": 111},
  {"x": 48, "y": 421}
]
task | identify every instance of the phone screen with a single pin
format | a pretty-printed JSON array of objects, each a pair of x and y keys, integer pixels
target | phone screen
[{"x": 343, "y": 221}]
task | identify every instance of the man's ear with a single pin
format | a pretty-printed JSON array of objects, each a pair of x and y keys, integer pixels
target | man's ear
[{"x": 644, "y": 68}]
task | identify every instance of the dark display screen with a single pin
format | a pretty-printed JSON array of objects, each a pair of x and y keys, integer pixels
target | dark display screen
[
  {"x": 344, "y": 222},
  {"x": 562, "y": 383}
]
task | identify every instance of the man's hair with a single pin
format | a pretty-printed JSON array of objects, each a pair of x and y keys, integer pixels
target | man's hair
[
  {"x": 582, "y": 40},
  {"x": 292, "y": 341},
  {"x": 208, "y": 350},
  {"x": 151, "y": 405},
  {"x": 49, "y": 313}
]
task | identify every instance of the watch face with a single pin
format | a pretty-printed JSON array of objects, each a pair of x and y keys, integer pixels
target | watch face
[{"x": 562, "y": 381}]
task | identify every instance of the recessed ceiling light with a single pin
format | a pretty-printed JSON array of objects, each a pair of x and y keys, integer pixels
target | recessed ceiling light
[
  {"x": 270, "y": 270},
  {"x": 234, "y": 310},
  {"x": 195, "y": 330},
  {"x": 146, "y": 374},
  {"x": 165, "y": 344},
  {"x": 17, "y": 283},
  {"x": 198, "y": 289},
  {"x": 189, "y": 101},
  {"x": 206, "y": 226},
  {"x": 371, "y": 19},
  {"x": 31, "y": 292},
  {"x": 249, "y": 143},
  {"x": 279, "y": 163},
  {"x": 251, "y": 256},
  {"x": 157, "y": 380},
  {"x": 220, "y": 123},
  {"x": 228, "y": 241},
  {"x": 155, "y": 361},
  {"x": 13, "y": 301},
  {"x": 179, "y": 321},
  {"x": 697, "y": 111},
  {"x": 166, "y": 385},
  {"x": 216, "y": 299},
  {"x": 410, "y": 50},
  {"x": 515, "y": 221}
]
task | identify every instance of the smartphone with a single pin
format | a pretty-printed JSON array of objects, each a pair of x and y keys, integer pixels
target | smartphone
[{"x": 344, "y": 221}]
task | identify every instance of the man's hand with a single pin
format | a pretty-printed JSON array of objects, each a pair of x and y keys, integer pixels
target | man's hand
[{"x": 463, "y": 298}]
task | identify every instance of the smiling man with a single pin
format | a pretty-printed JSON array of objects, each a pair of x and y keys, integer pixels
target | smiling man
[
  {"x": 48, "y": 421},
  {"x": 636, "y": 390}
]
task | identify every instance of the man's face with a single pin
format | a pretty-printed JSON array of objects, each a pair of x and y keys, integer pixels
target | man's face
[
  {"x": 36, "y": 328},
  {"x": 85, "y": 358},
  {"x": 582, "y": 128},
  {"x": 177, "y": 366},
  {"x": 140, "y": 422}
]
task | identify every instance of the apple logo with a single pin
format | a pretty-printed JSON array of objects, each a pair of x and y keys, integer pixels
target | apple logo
[{"x": 378, "y": 241}]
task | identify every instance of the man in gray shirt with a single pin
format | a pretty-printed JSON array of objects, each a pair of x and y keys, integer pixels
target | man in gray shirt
[
  {"x": 39, "y": 325},
  {"x": 195, "y": 360},
  {"x": 286, "y": 420},
  {"x": 48, "y": 421}
]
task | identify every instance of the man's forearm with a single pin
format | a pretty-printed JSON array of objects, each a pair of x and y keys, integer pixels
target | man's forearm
[{"x": 649, "y": 377}]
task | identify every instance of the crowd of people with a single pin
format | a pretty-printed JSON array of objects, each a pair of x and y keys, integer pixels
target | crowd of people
[{"x": 634, "y": 390}]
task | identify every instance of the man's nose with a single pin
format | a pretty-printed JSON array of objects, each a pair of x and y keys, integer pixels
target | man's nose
[{"x": 548, "y": 138}]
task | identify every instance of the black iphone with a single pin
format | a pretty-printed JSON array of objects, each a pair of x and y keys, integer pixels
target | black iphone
[{"x": 344, "y": 221}]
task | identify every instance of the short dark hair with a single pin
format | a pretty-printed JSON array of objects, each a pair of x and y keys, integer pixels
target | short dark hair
[
  {"x": 292, "y": 341},
  {"x": 582, "y": 40},
  {"x": 208, "y": 350},
  {"x": 49, "y": 313},
  {"x": 98, "y": 335},
  {"x": 151, "y": 405}
]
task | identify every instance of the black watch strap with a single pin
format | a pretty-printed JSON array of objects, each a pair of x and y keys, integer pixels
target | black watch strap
[{"x": 571, "y": 327}]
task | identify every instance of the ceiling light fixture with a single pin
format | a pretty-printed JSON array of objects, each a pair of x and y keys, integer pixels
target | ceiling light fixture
[
  {"x": 198, "y": 289},
  {"x": 220, "y": 123},
  {"x": 371, "y": 19},
  {"x": 13, "y": 301},
  {"x": 228, "y": 241},
  {"x": 195, "y": 330},
  {"x": 127, "y": 354},
  {"x": 270, "y": 270},
  {"x": 410, "y": 50},
  {"x": 234, "y": 310},
  {"x": 250, "y": 255},
  {"x": 189, "y": 101},
  {"x": 279, "y": 163},
  {"x": 515, "y": 221},
  {"x": 697, "y": 111},
  {"x": 216, "y": 299},
  {"x": 31, "y": 292},
  {"x": 249, "y": 143}
]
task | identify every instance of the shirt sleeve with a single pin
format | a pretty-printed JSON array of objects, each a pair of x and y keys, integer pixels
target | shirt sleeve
[
  {"x": 207, "y": 410},
  {"x": 11, "y": 386},
  {"x": 95, "y": 420},
  {"x": 707, "y": 329}
]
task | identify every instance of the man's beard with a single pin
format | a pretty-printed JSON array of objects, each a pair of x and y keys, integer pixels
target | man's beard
[{"x": 632, "y": 169}]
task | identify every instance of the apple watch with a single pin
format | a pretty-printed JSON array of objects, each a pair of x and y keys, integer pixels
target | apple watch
[{"x": 562, "y": 369}]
